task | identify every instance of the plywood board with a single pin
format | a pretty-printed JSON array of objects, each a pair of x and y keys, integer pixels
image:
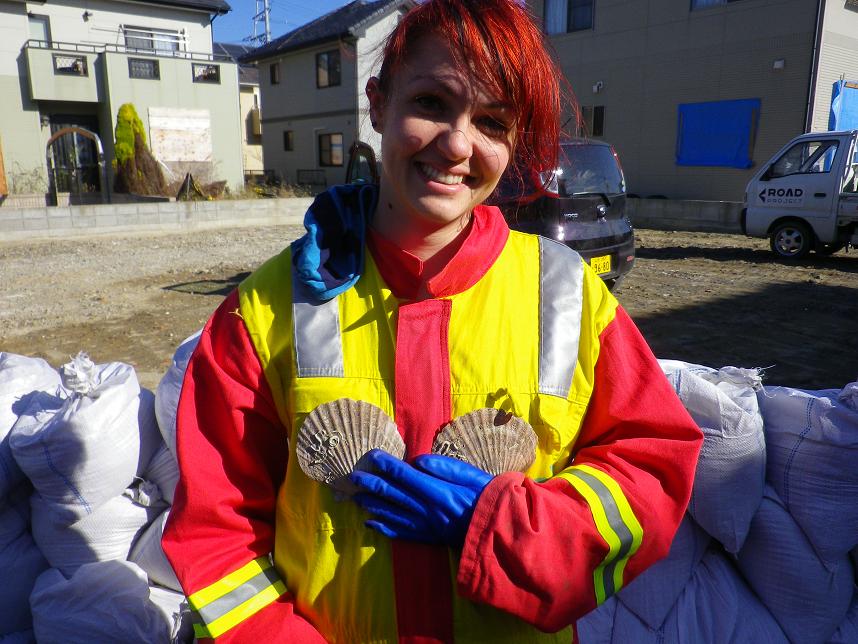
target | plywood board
[{"x": 180, "y": 135}]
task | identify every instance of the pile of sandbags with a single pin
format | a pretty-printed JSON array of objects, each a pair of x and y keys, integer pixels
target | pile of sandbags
[
  {"x": 86, "y": 483},
  {"x": 766, "y": 551}
]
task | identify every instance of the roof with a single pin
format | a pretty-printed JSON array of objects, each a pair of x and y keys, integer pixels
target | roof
[
  {"x": 248, "y": 74},
  {"x": 344, "y": 22},
  {"x": 212, "y": 6}
]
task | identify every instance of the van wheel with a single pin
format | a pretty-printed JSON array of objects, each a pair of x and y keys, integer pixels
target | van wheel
[{"x": 791, "y": 240}]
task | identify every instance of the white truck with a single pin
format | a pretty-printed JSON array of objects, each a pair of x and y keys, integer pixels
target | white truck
[{"x": 806, "y": 196}]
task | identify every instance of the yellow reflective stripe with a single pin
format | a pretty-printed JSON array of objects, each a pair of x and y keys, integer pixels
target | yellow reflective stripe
[
  {"x": 231, "y": 600},
  {"x": 229, "y": 583},
  {"x": 628, "y": 516},
  {"x": 241, "y": 612},
  {"x": 615, "y": 521}
]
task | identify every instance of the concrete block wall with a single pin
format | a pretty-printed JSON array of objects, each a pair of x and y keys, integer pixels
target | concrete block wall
[
  {"x": 676, "y": 214},
  {"x": 103, "y": 219}
]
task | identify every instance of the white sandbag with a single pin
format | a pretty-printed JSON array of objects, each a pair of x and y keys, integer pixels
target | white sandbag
[
  {"x": 149, "y": 555},
  {"x": 728, "y": 484},
  {"x": 150, "y": 435},
  {"x": 170, "y": 387},
  {"x": 20, "y": 379},
  {"x": 847, "y": 632},
  {"x": 106, "y": 534},
  {"x": 21, "y": 563},
  {"x": 652, "y": 595},
  {"x": 176, "y": 611},
  {"x": 812, "y": 439},
  {"x": 163, "y": 470},
  {"x": 808, "y": 597},
  {"x": 15, "y": 514},
  {"x": 88, "y": 451},
  {"x": 107, "y": 601}
]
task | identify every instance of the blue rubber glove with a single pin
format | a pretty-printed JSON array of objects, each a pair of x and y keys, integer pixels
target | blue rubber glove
[{"x": 431, "y": 502}]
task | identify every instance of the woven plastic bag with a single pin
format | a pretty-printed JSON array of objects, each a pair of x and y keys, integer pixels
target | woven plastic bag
[
  {"x": 728, "y": 484},
  {"x": 149, "y": 555},
  {"x": 170, "y": 388},
  {"x": 163, "y": 470}
]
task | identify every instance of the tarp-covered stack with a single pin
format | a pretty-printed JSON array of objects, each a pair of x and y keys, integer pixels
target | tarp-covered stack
[
  {"x": 86, "y": 481},
  {"x": 764, "y": 552}
]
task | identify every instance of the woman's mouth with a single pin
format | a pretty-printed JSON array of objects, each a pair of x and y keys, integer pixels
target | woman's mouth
[{"x": 440, "y": 177}]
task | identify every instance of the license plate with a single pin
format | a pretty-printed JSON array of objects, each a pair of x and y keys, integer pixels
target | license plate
[{"x": 601, "y": 264}]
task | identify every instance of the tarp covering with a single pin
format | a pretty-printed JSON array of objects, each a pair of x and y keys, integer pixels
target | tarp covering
[
  {"x": 844, "y": 106},
  {"x": 717, "y": 133}
]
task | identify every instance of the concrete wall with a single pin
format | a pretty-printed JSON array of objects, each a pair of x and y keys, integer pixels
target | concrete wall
[
  {"x": 675, "y": 214},
  {"x": 652, "y": 55},
  {"x": 86, "y": 221},
  {"x": 838, "y": 58}
]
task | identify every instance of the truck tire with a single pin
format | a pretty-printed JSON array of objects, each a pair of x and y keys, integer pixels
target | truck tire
[{"x": 791, "y": 239}]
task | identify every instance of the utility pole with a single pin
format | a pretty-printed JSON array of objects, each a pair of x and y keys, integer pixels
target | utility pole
[{"x": 261, "y": 22}]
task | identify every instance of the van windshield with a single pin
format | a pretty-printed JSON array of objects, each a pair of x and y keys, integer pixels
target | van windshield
[{"x": 588, "y": 168}]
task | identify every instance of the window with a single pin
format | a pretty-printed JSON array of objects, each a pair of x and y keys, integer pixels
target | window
[
  {"x": 70, "y": 64},
  {"x": 203, "y": 73},
  {"x": 562, "y": 16},
  {"x": 274, "y": 73},
  {"x": 331, "y": 149},
  {"x": 143, "y": 68},
  {"x": 289, "y": 141},
  {"x": 154, "y": 40},
  {"x": 328, "y": 69},
  {"x": 717, "y": 133},
  {"x": 592, "y": 120},
  {"x": 807, "y": 157}
]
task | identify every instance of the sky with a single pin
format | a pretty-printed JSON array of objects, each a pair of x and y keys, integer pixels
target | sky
[{"x": 286, "y": 15}]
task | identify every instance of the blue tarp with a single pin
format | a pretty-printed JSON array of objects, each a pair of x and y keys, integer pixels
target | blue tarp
[
  {"x": 717, "y": 133},
  {"x": 844, "y": 106}
]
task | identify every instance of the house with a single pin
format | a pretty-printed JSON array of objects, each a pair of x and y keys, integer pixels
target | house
[
  {"x": 249, "y": 113},
  {"x": 67, "y": 63},
  {"x": 312, "y": 83},
  {"x": 695, "y": 94}
]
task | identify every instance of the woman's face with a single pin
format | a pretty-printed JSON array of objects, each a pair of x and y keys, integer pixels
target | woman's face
[{"x": 446, "y": 140}]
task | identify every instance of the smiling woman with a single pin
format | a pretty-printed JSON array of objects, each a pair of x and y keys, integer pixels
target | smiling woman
[{"x": 415, "y": 297}]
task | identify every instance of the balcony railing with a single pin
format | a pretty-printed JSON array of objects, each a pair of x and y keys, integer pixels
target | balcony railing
[{"x": 123, "y": 49}]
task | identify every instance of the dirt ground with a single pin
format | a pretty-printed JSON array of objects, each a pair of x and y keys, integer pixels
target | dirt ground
[{"x": 711, "y": 299}]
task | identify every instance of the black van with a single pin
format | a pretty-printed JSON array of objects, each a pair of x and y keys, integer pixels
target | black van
[{"x": 582, "y": 204}]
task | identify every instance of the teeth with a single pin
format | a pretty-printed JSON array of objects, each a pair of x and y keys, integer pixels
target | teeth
[{"x": 441, "y": 177}]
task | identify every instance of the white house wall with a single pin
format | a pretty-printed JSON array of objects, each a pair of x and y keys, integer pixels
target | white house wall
[
  {"x": 838, "y": 58},
  {"x": 652, "y": 55}
]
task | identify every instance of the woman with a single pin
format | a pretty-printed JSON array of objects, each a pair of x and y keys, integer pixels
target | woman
[{"x": 447, "y": 312}]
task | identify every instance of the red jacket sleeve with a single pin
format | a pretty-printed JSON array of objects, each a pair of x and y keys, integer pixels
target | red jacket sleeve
[
  {"x": 232, "y": 453},
  {"x": 536, "y": 550}
]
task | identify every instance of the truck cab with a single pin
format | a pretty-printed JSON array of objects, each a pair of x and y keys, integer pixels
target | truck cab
[{"x": 806, "y": 196}]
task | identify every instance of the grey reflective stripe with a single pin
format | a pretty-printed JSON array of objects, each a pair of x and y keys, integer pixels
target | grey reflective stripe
[
  {"x": 615, "y": 520},
  {"x": 236, "y": 597},
  {"x": 318, "y": 345},
  {"x": 560, "y": 302}
]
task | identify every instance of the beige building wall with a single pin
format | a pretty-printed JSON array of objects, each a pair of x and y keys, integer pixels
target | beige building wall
[
  {"x": 838, "y": 58},
  {"x": 295, "y": 104},
  {"x": 251, "y": 143},
  {"x": 652, "y": 55}
]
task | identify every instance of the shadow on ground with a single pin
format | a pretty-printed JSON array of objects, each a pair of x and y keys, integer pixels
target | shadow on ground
[
  {"x": 842, "y": 261},
  {"x": 805, "y": 332},
  {"x": 220, "y": 287}
]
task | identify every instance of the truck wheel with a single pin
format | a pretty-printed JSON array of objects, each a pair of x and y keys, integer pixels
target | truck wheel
[{"x": 791, "y": 240}]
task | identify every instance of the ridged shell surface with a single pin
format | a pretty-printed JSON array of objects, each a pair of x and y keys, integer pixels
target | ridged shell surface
[
  {"x": 491, "y": 439},
  {"x": 335, "y": 436}
]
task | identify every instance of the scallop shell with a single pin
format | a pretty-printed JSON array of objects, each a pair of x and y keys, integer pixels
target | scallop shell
[
  {"x": 335, "y": 436},
  {"x": 491, "y": 439}
]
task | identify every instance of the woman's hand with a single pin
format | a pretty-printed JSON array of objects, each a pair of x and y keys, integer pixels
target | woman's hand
[{"x": 430, "y": 502}]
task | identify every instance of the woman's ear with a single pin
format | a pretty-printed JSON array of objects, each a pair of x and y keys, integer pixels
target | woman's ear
[{"x": 376, "y": 104}]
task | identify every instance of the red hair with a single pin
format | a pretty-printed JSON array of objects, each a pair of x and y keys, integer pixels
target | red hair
[{"x": 497, "y": 40}]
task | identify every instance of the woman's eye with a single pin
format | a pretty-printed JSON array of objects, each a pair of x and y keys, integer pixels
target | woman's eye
[
  {"x": 429, "y": 102},
  {"x": 493, "y": 127}
]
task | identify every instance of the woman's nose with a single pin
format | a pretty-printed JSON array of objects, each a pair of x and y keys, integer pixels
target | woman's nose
[{"x": 455, "y": 144}]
